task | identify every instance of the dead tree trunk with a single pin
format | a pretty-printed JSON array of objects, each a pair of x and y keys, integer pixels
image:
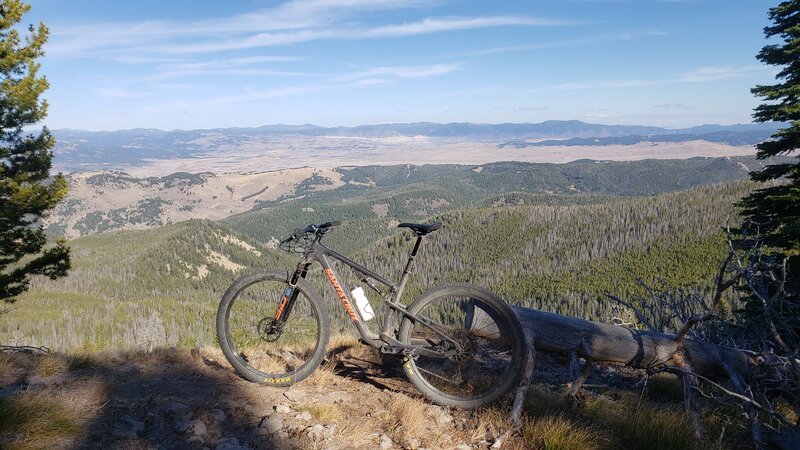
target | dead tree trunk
[{"x": 554, "y": 333}]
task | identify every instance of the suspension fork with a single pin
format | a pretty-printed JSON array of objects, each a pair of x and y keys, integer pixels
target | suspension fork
[{"x": 290, "y": 294}]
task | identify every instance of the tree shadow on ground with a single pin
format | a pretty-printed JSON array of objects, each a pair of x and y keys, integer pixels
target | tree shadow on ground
[{"x": 166, "y": 399}]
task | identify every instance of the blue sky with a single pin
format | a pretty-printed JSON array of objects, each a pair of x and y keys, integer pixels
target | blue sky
[{"x": 205, "y": 64}]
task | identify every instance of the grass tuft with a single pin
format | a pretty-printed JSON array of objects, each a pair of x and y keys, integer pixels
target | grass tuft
[
  {"x": 408, "y": 418},
  {"x": 644, "y": 426},
  {"x": 323, "y": 412},
  {"x": 559, "y": 433},
  {"x": 51, "y": 365},
  {"x": 11, "y": 369},
  {"x": 83, "y": 360},
  {"x": 33, "y": 420},
  {"x": 665, "y": 387}
]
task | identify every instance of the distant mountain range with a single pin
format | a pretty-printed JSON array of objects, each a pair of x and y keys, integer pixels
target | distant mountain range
[
  {"x": 92, "y": 150},
  {"x": 727, "y": 137}
]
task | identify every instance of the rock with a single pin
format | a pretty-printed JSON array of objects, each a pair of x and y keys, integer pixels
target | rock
[
  {"x": 217, "y": 415},
  {"x": 440, "y": 415},
  {"x": 330, "y": 430},
  {"x": 196, "y": 439},
  {"x": 305, "y": 416},
  {"x": 128, "y": 427},
  {"x": 295, "y": 395},
  {"x": 386, "y": 442},
  {"x": 413, "y": 443},
  {"x": 316, "y": 433},
  {"x": 178, "y": 412},
  {"x": 195, "y": 427},
  {"x": 230, "y": 443},
  {"x": 283, "y": 435},
  {"x": 283, "y": 408},
  {"x": 336, "y": 397},
  {"x": 272, "y": 423},
  {"x": 463, "y": 447}
]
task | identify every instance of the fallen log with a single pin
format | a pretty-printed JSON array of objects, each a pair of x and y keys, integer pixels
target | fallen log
[{"x": 554, "y": 333}]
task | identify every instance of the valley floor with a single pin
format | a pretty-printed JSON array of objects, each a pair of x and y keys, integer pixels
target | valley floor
[{"x": 356, "y": 154}]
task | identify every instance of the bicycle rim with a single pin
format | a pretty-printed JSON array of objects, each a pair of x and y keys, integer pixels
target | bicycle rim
[
  {"x": 485, "y": 345},
  {"x": 269, "y": 355}
]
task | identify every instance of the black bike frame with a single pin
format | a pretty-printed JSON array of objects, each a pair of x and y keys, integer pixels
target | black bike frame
[{"x": 384, "y": 341}]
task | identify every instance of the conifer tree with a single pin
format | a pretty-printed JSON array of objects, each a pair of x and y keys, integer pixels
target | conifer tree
[
  {"x": 776, "y": 207},
  {"x": 27, "y": 191}
]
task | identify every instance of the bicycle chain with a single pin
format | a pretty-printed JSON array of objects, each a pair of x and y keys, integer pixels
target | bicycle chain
[{"x": 435, "y": 375}]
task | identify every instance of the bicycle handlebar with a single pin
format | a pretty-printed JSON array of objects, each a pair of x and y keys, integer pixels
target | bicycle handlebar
[{"x": 313, "y": 228}]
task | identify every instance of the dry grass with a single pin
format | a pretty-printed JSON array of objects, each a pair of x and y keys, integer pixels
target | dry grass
[
  {"x": 324, "y": 413},
  {"x": 559, "y": 433},
  {"x": 36, "y": 420},
  {"x": 665, "y": 387},
  {"x": 11, "y": 369},
  {"x": 349, "y": 347},
  {"x": 408, "y": 419},
  {"x": 642, "y": 425},
  {"x": 324, "y": 377},
  {"x": 356, "y": 433},
  {"x": 84, "y": 360},
  {"x": 51, "y": 365}
]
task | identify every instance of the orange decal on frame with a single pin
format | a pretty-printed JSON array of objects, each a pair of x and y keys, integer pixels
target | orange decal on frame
[
  {"x": 284, "y": 300},
  {"x": 341, "y": 295}
]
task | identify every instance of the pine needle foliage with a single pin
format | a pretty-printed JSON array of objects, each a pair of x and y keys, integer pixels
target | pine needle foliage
[
  {"x": 27, "y": 191},
  {"x": 776, "y": 207}
]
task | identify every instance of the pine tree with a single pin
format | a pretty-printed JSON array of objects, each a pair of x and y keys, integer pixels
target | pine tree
[
  {"x": 27, "y": 191},
  {"x": 776, "y": 208}
]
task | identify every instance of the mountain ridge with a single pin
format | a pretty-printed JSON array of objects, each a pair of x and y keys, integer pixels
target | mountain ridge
[
  {"x": 313, "y": 129},
  {"x": 283, "y": 146}
]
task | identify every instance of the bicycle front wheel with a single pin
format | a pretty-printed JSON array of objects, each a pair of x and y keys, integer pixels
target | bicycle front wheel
[
  {"x": 480, "y": 333},
  {"x": 249, "y": 340}
]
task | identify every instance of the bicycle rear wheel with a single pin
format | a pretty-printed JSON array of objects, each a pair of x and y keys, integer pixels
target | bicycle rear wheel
[
  {"x": 253, "y": 348},
  {"x": 483, "y": 335}
]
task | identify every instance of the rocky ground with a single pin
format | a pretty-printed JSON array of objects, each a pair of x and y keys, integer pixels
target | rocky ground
[{"x": 182, "y": 398}]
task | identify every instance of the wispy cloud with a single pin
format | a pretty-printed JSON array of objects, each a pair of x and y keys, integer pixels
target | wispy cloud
[
  {"x": 606, "y": 37},
  {"x": 289, "y": 23},
  {"x": 699, "y": 75},
  {"x": 402, "y": 72},
  {"x": 435, "y": 25},
  {"x": 719, "y": 72},
  {"x": 232, "y": 66},
  {"x": 368, "y": 77},
  {"x": 291, "y": 15}
]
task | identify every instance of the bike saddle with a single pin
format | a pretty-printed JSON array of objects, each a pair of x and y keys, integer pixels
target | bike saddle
[{"x": 421, "y": 229}]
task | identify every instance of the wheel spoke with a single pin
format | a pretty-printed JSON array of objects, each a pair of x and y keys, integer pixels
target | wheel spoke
[
  {"x": 252, "y": 336},
  {"x": 486, "y": 348}
]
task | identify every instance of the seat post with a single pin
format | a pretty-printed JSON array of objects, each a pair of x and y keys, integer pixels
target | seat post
[
  {"x": 416, "y": 246},
  {"x": 409, "y": 266}
]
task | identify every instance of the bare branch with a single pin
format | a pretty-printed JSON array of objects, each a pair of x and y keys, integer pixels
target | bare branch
[
  {"x": 636, "y": 311},
  {"x": 715, "y": 301}
]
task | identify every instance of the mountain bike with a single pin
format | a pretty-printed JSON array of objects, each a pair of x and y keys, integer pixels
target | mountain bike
[{"x": 459, "y": 344}]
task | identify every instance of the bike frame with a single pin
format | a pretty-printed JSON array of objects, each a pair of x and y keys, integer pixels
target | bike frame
[{"x": 385, "y": 341}]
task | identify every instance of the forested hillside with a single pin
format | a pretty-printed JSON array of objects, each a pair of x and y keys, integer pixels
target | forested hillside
[
  {"x": 376, "y": 198},
  {"x": 157, "y": 287},
  {"x": 107, "y": 201}
]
